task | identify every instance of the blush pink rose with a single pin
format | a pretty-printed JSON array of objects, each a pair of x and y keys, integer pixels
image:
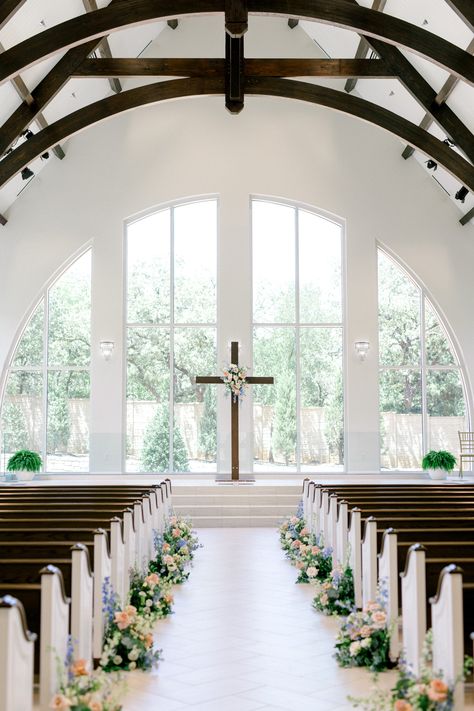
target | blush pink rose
[{"x": 438, "y": 690}]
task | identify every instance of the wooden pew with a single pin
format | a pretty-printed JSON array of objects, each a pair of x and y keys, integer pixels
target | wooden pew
[
  {"x": 17, "y": 654},
  {"x": 42, "y": 536}
]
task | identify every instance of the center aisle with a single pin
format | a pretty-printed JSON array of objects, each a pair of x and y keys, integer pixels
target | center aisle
[{"x": 245, "y": 637}]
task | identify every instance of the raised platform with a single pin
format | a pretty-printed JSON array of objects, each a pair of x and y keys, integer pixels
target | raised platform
[{"x": 236, "y": 506}]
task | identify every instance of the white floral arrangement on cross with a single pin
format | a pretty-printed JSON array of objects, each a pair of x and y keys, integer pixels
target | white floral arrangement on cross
[{"x": 234, "y": 378}]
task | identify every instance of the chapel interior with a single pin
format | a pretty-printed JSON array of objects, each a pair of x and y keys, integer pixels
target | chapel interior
[{"x": 236, "y": 249}]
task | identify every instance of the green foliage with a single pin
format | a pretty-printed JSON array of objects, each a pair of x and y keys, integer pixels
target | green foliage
[
  {"x": 14, "y": 427},
  {"x": 59, "y": 422},
  {"x": 285, "y": 417},
  {"x": 24, "y": 460},
  {"x": 208, "y": 431},
  {"x": 156, "y": 450},
  {"x": 439, "y": 460},
  {"x": 335, "y": 421},
  {"x": 335, "y": 595}
]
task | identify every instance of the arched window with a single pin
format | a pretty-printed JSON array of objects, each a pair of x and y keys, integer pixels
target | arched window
[
  {"x": 298, "y": 338},
  {"x": 171, "y": 338},
  {"x": 46, "y": 398},
  {"x": 422, "y": 402}
]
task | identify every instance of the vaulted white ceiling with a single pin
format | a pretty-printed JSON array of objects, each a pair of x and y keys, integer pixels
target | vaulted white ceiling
[{"x": 267, "y": 37}]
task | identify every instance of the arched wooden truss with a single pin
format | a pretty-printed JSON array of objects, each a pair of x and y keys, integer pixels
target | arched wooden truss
[{"x": 236, "y": 75}]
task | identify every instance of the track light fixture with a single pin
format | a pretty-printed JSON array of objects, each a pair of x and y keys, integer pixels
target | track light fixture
[
  {"x": 26, "y": 173},
  {"x": 462, "y": 194},
  {"x": 45, "y": 155},
  {"x": 27, "y": 134},
  {"x": 431, "y": 164},
  {"x": 449, "y": 142}
]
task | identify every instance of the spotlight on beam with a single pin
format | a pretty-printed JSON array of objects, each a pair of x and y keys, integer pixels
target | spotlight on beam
[
  {"x": 431, "y": 164},
  {"x": 26, "y": 173},
  {"x": 45, "y": 155},
  {"x": 28, "y": 134},
  {"x": 462, "y": 194}
]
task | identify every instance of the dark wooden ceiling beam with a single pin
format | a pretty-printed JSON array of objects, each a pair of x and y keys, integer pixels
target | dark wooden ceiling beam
[
  {"x": 104, "y": 47},
  {"x": 236, "y": 17},
  {"x": 467, "y": 217},
  {"x": 465, "y": 10},
  {"x": 363, "y": 46},
  {"x": 340, "y": 13},
  {"x": 43, "y": 94},
  {"x": 7, "y": 9},
  {"x": 443, "y": 94},
  {"x": 236, "y": 25},
  {"x": 268, "y": 67},
  {"x": 287, "y": 88},
  {"x": 234, "y": 73},
  {"x": 425, "y": 95},
  {"x": 25, "y": 95}
]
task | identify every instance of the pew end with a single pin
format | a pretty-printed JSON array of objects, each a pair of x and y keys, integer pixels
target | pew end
[
  {"x": 17, "y": 657},
  {"x": 447, "y": 626}
]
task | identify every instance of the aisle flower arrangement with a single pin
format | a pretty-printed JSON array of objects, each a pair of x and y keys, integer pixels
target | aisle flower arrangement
[
  {"x": 81, "y": 689},
  {"x": 313, "y": 562},
  {"x": 364, "y": 638},
  {"x": 335, "y": 595},
  {"x": 174, "y": 550},
  {"x": 150, "y": 596},
  {"x": 128, "y": 636},
  {"x": 426, "y": 691},
  {"x": 234, "y": 379},
  {"x": 128, "y": 639}
]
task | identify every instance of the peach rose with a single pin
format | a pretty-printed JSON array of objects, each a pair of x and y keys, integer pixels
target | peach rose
[
  {"x": 166, "y": 547},
  {"x": 300, "y": 565},
  {"x": 401, "y": 705},
  {"x": 96, "y": 706},
  {"x": 379, "y": 618},
  {"x": 176, "y": 533},
  {"x": 60, "y": 703},
  {"x": 315, "y": 550},
  {"x": 168, "y": 598},
  {"x": 122, "y": 619},
  {"x": 365, "y": 631},
  {"x": 148, "y": 640},
  {"x": 152, "y": 580},
  {"x": 79, "y": 667},
  {"x": 304, "y": 532},
  {"x": 438, "y": 690}
]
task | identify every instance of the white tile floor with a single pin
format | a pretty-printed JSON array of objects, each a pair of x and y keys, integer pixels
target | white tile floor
[{"x": 245, "y": 637}]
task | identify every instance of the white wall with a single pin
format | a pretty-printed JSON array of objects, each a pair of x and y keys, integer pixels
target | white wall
[{"x": 274, "y": 147}]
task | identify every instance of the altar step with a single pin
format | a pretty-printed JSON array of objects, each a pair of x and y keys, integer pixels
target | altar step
[{"x": 235, "y": 506}]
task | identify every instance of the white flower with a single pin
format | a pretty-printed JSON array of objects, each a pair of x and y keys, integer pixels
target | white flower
[
  {"x": 133, "y": 655},
  {"x": 365, "y": 642},
  {"x": 354, "y": 648},
  {"x": 117, "y": 659}
]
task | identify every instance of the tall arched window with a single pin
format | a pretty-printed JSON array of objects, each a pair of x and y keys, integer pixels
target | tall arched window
[
  {"x": 298, "y": 338},
  {"x": 45, "y": 404},
  {"x": 171, "y": 327},
  {"x": 422, "y": 402}
]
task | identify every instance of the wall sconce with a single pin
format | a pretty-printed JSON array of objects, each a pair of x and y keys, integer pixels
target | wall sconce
[
  {"x": 106, "y": 349},
  {"x": 362, "y": 348}
]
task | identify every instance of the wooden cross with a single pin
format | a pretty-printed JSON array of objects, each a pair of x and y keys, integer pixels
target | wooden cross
[{"x": 234, "y": 405}]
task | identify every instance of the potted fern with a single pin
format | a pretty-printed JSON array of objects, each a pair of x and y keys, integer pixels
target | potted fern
[
  {"x": 438, "y": 464},
  {"x": 24, "y": 464}
]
